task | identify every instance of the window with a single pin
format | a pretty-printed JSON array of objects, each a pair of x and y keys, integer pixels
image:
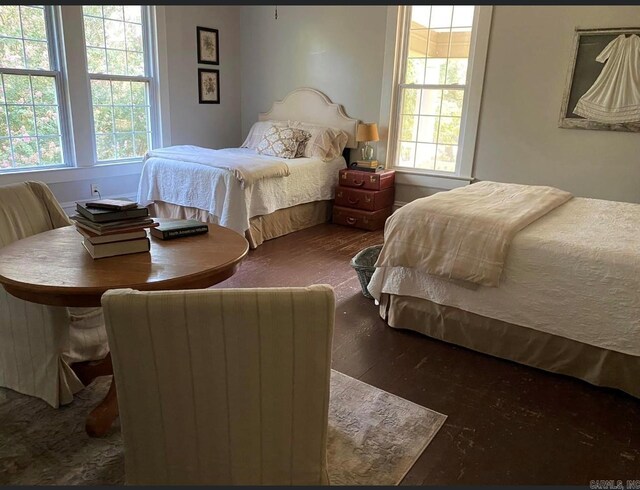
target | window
[
  {"x": 433, "y": 87},
  {"x": 30, "y": 89},
  {"x": 59, "y": 107},
  {"x": 119, "y": 72}
]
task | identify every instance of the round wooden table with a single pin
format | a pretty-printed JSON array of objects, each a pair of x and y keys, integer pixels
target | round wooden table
[{"x": 53, "y": 268}]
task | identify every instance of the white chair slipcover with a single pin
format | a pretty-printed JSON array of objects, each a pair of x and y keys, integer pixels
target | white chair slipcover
[
  {"x": 223, "y": 386},
  {"x": 37, "y": 342}
]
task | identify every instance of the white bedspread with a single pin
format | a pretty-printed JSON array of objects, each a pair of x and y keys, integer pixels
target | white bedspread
[
  {"x": 217, "y": 191},
  {"x": 465, "y": 234},
  {"x": 574, "y": 273},
  {"x": 248, "y": 169}
]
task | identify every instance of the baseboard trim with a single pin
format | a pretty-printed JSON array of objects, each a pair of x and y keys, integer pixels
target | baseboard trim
[{"x": 398, "y": 204}]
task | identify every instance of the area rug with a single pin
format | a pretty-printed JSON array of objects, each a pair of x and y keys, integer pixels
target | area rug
[{"x": 374, "y": 438}]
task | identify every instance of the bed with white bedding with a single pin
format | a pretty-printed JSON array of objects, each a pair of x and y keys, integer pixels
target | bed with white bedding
[
  {"x": 257, "y": 195},
  {"x": 568, "y": 297},
  {"x": 226, "y": 198}
]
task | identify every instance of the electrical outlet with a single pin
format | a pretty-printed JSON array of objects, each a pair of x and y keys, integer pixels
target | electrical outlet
[{"x": 95, "y": 191}]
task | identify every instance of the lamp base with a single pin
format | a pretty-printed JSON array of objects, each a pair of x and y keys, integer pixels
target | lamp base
[{"x": 367, "y": 152}]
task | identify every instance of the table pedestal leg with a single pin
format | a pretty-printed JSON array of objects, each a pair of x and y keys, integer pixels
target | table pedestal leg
[{"x": 102, "y": 416}]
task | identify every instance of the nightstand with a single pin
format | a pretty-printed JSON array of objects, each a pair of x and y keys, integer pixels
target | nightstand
[{"x": 364, "y": 199}]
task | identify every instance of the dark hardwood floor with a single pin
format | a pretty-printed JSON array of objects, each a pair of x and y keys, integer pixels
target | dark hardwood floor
[{"x": 507, "y": 423}]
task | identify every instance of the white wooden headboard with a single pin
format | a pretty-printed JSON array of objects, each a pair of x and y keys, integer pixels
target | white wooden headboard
[{"x": 312, "y": 106}]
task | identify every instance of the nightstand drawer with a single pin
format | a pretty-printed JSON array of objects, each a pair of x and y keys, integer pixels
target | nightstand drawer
[
  {"x": 364, "y": 199},
  {"x": 366, "y": 220},
  {"x": 374, "y": 181}
]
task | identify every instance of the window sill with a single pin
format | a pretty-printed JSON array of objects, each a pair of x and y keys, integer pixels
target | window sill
[
  {"x": 430, "y": 179},
  {"x": 73, "y": 174}
]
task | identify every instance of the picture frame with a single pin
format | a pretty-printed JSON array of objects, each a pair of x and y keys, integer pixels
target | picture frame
[
  {"x": 208, "y": 86},
  {"x": 583, "y": 72},
  {"x": 208, "y": 46}
]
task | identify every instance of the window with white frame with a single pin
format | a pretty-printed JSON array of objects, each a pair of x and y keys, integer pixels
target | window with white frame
[
  {"x": 118, "y": 64},
  {"x": 43, "y": 94},
  {"x": 31, "y": 126},
  {"x": 432, "y": 90}
]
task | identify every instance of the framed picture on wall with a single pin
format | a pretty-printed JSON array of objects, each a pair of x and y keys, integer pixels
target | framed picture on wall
[
  {"x": 596, "y": 85},
  {"x": 208, "y": 47},
  {"x": 208, "y": 86}
]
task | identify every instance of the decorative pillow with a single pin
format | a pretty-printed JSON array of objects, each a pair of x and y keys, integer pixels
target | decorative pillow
[
  {"x": 281, "y": 142},
  {"x": 324, "y": 143},
  {"x": 256, "y": 133}
]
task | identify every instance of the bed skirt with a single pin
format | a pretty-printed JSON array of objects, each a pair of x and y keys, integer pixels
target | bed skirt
[
  {"x": 542, "y": 350},
  {"x": 262, "y": 228}
]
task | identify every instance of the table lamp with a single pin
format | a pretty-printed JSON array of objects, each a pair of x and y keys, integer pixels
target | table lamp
[{"x": 367, "y": 132}]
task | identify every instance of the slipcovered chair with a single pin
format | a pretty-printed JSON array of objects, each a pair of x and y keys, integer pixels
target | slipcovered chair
[
  {"x": 38, "y": 343},
  {"x": 223, "y": 387}
]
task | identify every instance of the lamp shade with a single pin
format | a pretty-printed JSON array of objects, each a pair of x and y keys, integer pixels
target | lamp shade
[{"x": 367, "y": 132}]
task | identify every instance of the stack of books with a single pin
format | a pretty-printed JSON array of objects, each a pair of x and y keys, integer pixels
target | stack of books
[
  {"x": 111, "y": 227},
  {"x": 367, "y": 165}
]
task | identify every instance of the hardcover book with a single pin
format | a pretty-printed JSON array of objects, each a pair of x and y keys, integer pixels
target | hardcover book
[
  {"x": 117, "y": 248},
  {"x": 112, "y": 204},
  {"x": 102, "y": 215},
  {"x": 367, "y": 163},
  {"x": 112, "y": 237},
  {"x": 113, "y": 226},
  {"x": 178, "y": 228},
  {"x": 364, "y": 169}
]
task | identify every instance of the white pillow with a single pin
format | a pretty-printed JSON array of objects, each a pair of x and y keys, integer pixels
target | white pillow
[
  {"x": 256, "y": 133},
  {"x": 325, "y": 143}
]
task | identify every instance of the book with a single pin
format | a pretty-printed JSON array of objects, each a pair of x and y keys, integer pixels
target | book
[
  {"x": 113, "y": 226},
  {"x": 103, "y": 215},
  {"x": 366, "y": 169},
  {"x": 178, "y": 228},
  {"x": 112, "y": 204},
  {"x": 367, "y": 163},
  {"x": 96, "y": 239},
  {"x": 117, "y": 248}
]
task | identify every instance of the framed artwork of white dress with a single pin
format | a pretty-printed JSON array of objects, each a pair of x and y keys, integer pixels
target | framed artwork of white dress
[{"x": 603, "y": 85}]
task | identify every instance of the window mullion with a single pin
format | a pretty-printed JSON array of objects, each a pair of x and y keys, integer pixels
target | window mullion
[
  {"x": 119, "y": 78},
  {"x": 149, "y": 46},
  {"x": 78, "y": 85},
  {"x": 6, "y": 118},
  {"x": 24, "y": 48},
  {"x": 24, "y": 71}
]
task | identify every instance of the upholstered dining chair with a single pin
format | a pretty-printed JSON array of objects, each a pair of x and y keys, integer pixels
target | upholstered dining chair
[
  {"x": 39, "y": 343},
  {"x": 223, "y": 386}
]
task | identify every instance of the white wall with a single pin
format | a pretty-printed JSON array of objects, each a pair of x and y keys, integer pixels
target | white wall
[
  {"x": 337, "y": 50},
  {"x": 208, "y": 125},
  {"x": 519, "y": 139}
]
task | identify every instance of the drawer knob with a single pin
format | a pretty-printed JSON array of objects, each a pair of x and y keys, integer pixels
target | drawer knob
[
  {"x": 351, "y": 221},
  {"x": 358, "y": 183},
  {"x": 353, "y": 201}
]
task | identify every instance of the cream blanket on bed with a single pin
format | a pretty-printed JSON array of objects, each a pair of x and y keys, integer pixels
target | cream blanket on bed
[
  {"x": 464, "y": 234},
  {"x": 247, "y": 168}
]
